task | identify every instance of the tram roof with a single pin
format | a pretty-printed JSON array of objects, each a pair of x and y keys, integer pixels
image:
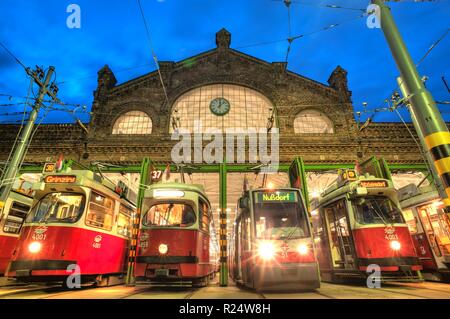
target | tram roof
[
  {"x": 178, "y": 186},
  {"x": 343, "y": 187},
  {"x": 411, "y": 195}
]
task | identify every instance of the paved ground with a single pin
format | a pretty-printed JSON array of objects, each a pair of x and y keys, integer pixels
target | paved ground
[{"x": 426, "y": 290}]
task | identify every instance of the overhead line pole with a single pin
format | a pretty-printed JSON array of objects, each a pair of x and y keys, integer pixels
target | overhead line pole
[
  {"x": 430, "y": 125},
  {"x": 9, "y": 176}
]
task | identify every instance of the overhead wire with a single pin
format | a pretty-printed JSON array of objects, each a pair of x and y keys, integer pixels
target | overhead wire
[{"x": 155, "y": 58}]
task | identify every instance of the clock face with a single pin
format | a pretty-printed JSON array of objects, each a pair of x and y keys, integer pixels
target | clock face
[{"x": 219, "y": 106}]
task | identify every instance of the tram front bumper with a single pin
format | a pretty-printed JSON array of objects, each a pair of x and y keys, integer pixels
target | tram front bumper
[{"x": 287, "y": 277}]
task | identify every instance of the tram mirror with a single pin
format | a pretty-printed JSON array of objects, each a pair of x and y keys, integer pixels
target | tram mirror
[
  {"x": 360, "y": 191},
  {"x": 38, "y": 186},
  {"x": 243, "y": 202}
]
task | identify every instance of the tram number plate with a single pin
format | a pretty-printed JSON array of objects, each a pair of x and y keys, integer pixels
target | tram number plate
[
  {"x": 291, "y": 272},
  {"x": 162, "y": 272},
  {"x": 23, "y": 273}
]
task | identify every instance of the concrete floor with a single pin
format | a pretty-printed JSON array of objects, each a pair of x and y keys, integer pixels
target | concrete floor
[{"x": 426, "y": 290}]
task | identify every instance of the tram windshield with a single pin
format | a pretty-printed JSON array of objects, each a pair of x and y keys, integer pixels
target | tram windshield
[
  {"x": 170, "y": 215},
  {"x": 376, "y": 210},
  {"x": 279, "y": 215},
  {"x": 58, "y": 208}
]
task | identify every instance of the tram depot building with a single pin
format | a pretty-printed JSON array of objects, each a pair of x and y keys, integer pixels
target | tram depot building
[{"x": 133, "y": 120}]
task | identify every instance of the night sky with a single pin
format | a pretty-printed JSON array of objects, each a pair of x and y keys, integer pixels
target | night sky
[{"x": 112, "y": 32}]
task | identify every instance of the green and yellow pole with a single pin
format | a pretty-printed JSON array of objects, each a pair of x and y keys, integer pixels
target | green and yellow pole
[
  {"x": 223, "y": 225},
  {"x": 130, "y": 280},
  {"x": 436, "y": 136}
]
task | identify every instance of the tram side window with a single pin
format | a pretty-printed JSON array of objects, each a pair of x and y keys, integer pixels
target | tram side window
[
  {"x": 170, "y": 214},
  {"x": 204, "y": 213},
  {"x": 410, "y": 221},
  {"x": 124, "y": 221},
  {"x": 101, "y": 210},
  {"x": 17, "y": 214}
]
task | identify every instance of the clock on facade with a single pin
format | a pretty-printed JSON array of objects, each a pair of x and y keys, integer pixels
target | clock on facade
[{"x": 219, "y": 106}]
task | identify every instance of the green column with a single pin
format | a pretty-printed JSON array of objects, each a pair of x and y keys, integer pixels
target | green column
[
  {"x": 137, "y": 220},
  {"x": 223, "y": 224},
  {"x": 435, "y": 133},
  {"x": 428, "y": 158}
]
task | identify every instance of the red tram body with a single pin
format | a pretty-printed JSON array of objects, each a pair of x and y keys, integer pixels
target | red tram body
[
  {"x": 12, "y": 217},
  {"x": 357, "y": 224},
  {"x": 177, "y": 243},
  {"x": 78, "y": 224},
  {"x": 429, "y": 226}
]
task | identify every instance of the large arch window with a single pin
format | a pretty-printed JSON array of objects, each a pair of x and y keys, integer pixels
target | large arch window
[
  {"x": 312, "y": 122},
  {"x": 222, "y": 106},
  {"x": 133, "y": 123}
]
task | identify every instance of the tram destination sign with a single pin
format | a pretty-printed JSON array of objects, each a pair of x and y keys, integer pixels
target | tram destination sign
[
  {"x": 276, "y": 197},
  {"x": 373, "y": 184},
  {"x": 60, "y": 179}
]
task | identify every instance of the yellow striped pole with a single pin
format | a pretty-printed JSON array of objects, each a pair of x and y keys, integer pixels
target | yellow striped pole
[{"x": 430, "y": 124}]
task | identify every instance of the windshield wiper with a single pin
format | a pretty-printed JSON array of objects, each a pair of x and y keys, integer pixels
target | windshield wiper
[{"x": 379, "y": 213}]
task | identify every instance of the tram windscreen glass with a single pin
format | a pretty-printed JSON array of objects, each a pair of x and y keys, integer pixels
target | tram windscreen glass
[
  {"x": 58, "y": 208},
  {"x": 279, "y": 215},
  {"x": 170, "y": 215},
  {"x": 376, "y": 210}
]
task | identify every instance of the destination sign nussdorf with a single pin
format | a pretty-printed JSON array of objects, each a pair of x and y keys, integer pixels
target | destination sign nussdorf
[{"x": 279, "y": 196}]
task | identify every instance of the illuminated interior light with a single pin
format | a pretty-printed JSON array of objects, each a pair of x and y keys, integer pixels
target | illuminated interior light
[
  {"x": 159, "y": 193},
  {"x": 314, "y": 213},
  {"x": 395, "y": 245},
  {"x": 34, "y": 247},
  {"x": 438, "y": 204},
  {"x": 266, "y": 250},
  {"x": 163, "y": 249},
  {"x": 270, "y": 185},
  {"x": 302, "y": 249}
]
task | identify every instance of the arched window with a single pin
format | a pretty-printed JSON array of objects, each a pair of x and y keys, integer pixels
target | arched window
[
  {"x": 222, "y": 106},
  {"x": 133, "y": 123},
  {"x": 312, "y": 122}
]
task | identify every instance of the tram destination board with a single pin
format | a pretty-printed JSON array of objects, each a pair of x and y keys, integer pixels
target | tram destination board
[
  {"x": 60, "y": 179},
  {"x": 374, "y": 184},
  {"x": 277, "y": 197}
]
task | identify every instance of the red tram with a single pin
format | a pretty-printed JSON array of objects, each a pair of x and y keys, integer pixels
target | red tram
[
  {"x": 357, "y": 223},
  {"x": 78, "y": 220},
  {"x": 272, "y": 246},
  {"x": 177, "y": 243},
  {"x": 12, "y": 217},
  {"x": 429, "y": 226}
]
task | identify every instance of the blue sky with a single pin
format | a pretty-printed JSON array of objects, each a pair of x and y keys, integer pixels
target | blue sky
[{"x": 112, "y": 32}]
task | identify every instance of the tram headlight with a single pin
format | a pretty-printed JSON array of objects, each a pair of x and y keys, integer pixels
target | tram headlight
[
  {"x": 266, "y": 250},
  {"x": 302, "y": 249},
  {"x": 163, "y": 249},
  {"x": 34, "y": 247},
  {"x": 395, "y": 245}
]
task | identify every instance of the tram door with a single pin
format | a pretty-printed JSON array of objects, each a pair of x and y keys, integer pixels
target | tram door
[
  {"x": 238, "y": 250},
  {"x": 340, "y": 236},
  {"x": 436, "y": 228}
]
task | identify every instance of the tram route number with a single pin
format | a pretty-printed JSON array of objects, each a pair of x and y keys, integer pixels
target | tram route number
[{"x": 233, "y": 309}]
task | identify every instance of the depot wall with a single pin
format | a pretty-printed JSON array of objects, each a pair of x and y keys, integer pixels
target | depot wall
[{"x": 290, "y": 93}]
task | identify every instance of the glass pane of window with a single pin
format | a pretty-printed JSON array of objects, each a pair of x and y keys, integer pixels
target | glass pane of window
[
  {"x": 133, "y": 123},
  {"x": 16, "y": 216},
  {"x": 170, "y": 215},
  {"x": 247, "y": 108},
  {"x": 124, "y": 221},
  {"x": 312, "y": 122},
  {"x": 58, "y": 208},
  {"x": 204, "y": 213},
  {"x": 101, "y": 210}
]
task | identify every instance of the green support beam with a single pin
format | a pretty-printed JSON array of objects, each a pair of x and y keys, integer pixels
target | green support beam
[
  {"x": 237, "y": 168},
  {"x": 144, "y": 174},
  {"x": 223, "y": 225}
]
